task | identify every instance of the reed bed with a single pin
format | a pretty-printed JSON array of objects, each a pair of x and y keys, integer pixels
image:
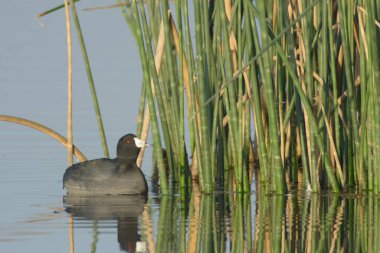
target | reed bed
[
  {"x": 291, "y": 84},
  {"x": 273, "y": 87}
]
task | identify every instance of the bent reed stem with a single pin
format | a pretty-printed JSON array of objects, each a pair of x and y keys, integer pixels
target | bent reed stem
[{"x": 44, "y": 130}]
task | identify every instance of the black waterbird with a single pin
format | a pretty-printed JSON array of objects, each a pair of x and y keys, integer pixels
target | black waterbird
[{"x": 118, "y": 176}]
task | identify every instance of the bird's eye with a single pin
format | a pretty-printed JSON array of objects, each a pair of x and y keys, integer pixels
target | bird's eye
[{"x": 127, "y": 141}]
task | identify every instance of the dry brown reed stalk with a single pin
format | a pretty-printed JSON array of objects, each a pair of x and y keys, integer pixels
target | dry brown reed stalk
[
  {"x": 69, "y": 88},
  {"x": 45, "y": 130}
]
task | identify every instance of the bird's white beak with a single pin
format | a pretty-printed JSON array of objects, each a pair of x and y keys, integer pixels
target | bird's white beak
[{"x": 140, "y": 143}]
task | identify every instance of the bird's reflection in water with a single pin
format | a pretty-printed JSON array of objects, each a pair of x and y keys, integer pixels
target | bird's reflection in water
[{"x": 125, "y": 209}]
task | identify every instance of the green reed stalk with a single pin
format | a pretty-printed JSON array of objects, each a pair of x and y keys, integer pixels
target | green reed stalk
[
  {"x": 155, "y": 131},
  {"x": 374, "y": 50},
  {"x": 140, "y": 114},
  {"x": 256, "y": 103},
  {"x": 181, "y": 138},
  {"x": 207, "y": 183},
  {"x": 90, "y": 79},
  {"x": 323, "y": 88},
  {"x": 362, "y": 177},
  {"x": 348, "y": 68},
  {"x": 306, "y": 37},
  {"x": 173, "y": 81},
  {"x": 223, "y": 156},
  {"x": 220, "y": 139},
  {"x": 371, "y": 134},
  {"x": 219, "y": 144},
  {"x": 193, "y": 116},
  {"x": 244, "y": 92},
  {"x": 53, "y": 10},
  {"x": 219, "y": 131},
  {"x": 154, "y": 18},
  {"x": 214, "y": 138},
  {"x": 303, "y": 146},
  {"x": 289, "y": 113},
  {"x": 333, "y": 75},
  {"x": 240, "y": 51},
  {"x": 248, "y": 149},
  {"x": 279, "y": 84},
  {"x": 278, "y": 172},
  {"x": 167, "y": 117},
  {"x": 230, "y": 103}
]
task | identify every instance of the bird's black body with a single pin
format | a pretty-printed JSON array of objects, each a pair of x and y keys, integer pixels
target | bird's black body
[{"x": 108, "y": 176}]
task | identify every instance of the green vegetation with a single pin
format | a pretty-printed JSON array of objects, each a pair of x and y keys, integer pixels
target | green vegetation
[
  {"x": 276, "y": 86},
  {"x": 306, "y": 71}
]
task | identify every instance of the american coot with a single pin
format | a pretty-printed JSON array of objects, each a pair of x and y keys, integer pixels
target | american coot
[{"x": 109, "y": 176}]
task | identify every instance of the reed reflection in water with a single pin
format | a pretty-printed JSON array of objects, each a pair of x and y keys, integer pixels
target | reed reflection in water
[{"x": 229, "y": 222}]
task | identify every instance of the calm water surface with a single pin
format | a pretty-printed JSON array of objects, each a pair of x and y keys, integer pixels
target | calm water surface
[{"x": 35, "y": 215}]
